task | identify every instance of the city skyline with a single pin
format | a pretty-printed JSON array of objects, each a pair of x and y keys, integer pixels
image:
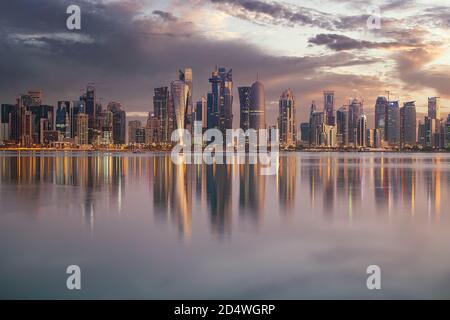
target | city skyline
[{"x": 411, "y": 45}]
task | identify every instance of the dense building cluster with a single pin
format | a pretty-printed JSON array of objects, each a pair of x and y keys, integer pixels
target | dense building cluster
[
  {"x": 395, "y": 127},
  {"x": 84, "y": 123}
]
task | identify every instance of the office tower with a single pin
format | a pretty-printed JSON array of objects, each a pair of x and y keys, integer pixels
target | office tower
[
  {"x": 226, "y": 114},
  {"x": 214, "y": 100},
  {"x": 392, "y": 123},
  {"x": 328, "y": 107},
  {"x": 447, "y": 132},
  {"x": 305, "y": 132},
  {"x": 62, "y": 120},
  {"x": 317, "y": 121},
  {"x": 380, "y": 115},
  {"x": 82, "y": 137},
  {"x": 421, "y": 133},
  {"x": 200, "y": 112},
  {"x": 152, "y": 130},
  {"x": 408, "y": 124},
  {"x": 5, "y": 114},
  {"x": 179, "y": 93},
  {"x": 186, "y": 77},
  {"x": 119, "y": 123},
  {"x": 326, "y": 135},
  {"x": 355, "y": 109},
  {"x": 361, "y": 131},
  {"x": 133, "y": 133},
  {"x": 89, "y": 100},
  {"x": 434, "y": 108},
  {"x": 286, "y": 119},
  {"x": 342, "y": 126},
  {"x": 15, "y": 122},
  {"x": 106, "y": 127},
  {"x": 40, "y": 112},
  {"x": 244, "y": 101},
  {"x": 430, "y": 130},
  {"x": 257, "y": 113},
  {"x": 161, "y": 108},
  {"x": 220, "y": 100},
  {"x": 77, "y": 107},
  {"x": 371, "y": 138},
  {"x": 27, "y": 129}
]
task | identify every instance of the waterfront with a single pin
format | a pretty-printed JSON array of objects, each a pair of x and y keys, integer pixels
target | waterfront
[{"x": 141, "y": 227}]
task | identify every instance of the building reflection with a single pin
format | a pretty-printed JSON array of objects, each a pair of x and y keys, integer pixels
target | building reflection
[{"x": 251, "y": 192}]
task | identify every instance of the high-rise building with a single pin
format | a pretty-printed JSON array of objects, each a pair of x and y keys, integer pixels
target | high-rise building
[
  {"x": 361, "y": 131},
  {"x": 5, "y": 114},
  {"x": 152, "y": 130},
  {"x": 89, "y": 100},
  {"x": 286, "y": 119},
  {"x": 434, "y": 108},
  {"x": 220, "y": 100},
  {"x": 82, "y": 129},
  {"x": 133, "y": 132},
  {"x": 62, "y": 120},
  {"x": 355, "y": 110},
  {"x": 422, "y": 133},
  {"x": 328, "y": 107},
  {"x": 317, "y": 121},
  {"x": 186, "y": 77},
  {"x": 305, "y": 132},
  {"x": 392, "y": 123},
  {"x": 244, "y": 100},
  {"x": 257, "y": 113},
  {"x": 380, "y": 115},
  {"x": 200, "y": 112},
  {"x": 179, "y": 93},
  {"x": 430, "y": 131},
  {"x": 162, "y": 110},
  {"x": 342, "y": 126},
  {"x": 447, "y": 132},
  {"x": 408, "y": 124},
  {"x": 119, "y": 123}
]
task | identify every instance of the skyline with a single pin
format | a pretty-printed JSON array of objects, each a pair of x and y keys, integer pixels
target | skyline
[{"x": 410, "y": 50}]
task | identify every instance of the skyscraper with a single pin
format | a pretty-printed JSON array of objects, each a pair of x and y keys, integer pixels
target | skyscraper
[
  {"x": 186, "y": 77},
  {"x": 82, "y": 129},
  {"x": 5, "y": 114},
  {"x": 244, "y": 100},
  {"x": 317, "y": 120},
  {"x": 342, "y": 126},
  {"x": 162, "y": 110},
  {"x": 257, "y": 113},
  {"x": 286, "y": 119},
  {"x": 408, "y": 124},
  {"x": 434, "y": 108},
  {"x": 133, "y": 131},
  {"x": 200, "y": 112},
  {"x": 119, "y": 123},
  {"x": 179, "y": 93},
  {"x": 305, "y": 132},
  {"x": 220, "y": 100},
  {"x": 355, "y": 110},
  {"x": 361, "y": 131},
  {"x": 90, "y": 103},
  {"x": 63, "y": 118},
  {"x": 392, "y": 123},
  {"x": 328, "y": 106},
  {"x": 380, "y": 115}
]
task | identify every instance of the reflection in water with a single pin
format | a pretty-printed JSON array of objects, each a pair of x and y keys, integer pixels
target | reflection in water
[{"x": 341, "y": 186}]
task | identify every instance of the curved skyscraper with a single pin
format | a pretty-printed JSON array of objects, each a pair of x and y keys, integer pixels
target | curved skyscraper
[
  {"x": 257, "y": 113},
  {"x": 179, "y": 91}
]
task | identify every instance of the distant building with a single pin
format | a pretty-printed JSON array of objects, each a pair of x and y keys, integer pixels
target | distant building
[
  {"x": 152, "y": 130},
  {"x": 200, "y": 112},
  {"x": 5, "y": 114},
  {"x": 392, "y": 123},
  {"x": 380, "y": 116},
  {"x": 447, "y": 132},
  {"x": 62, "y": 119},
  {"x": 305, "y": 131},
  {"x": 244, "y": 100},
  {"x": 257, "y": 110},
  {"x": 328, "y": 105},
  {"x": 342, "y": 126},
  {"x": 134, "y": 131},
  {"x": 179, "y": 93},
  {"x": 408, "y": 124},
  {"x": 355, "y": 109},
  {"x": 82, "y": 129},
  {"x": 163, "y": 110},
  {"x": 370, "y": 142},
  {"x": 317, "y": 121},
  {"x": 220, "y": 100},
  {"x": 286, "y": 119},
  {"x": 119, "y": 123},
  {"x": 361, "y": 131},
  {"x": 434, "y": 108}
]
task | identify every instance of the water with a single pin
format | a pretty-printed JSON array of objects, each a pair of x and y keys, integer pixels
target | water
[{"x": 140, "y": 227}]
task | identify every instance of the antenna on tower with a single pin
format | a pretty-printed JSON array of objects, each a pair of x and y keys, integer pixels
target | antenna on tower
[{"x": 388, "y": 93}]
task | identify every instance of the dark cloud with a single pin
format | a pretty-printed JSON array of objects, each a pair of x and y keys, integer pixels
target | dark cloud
[
  {"x": 127, "y": 53},
  {"x": 339, "y": 43}
]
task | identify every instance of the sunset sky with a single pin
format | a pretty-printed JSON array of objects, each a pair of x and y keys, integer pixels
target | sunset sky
[{"x": 129, "y": 47}]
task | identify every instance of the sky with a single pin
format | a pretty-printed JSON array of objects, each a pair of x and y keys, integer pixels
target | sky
[{"x": 129, "y": 47}]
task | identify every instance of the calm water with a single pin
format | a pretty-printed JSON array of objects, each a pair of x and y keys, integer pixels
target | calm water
[{"x": 141, "y": 227}]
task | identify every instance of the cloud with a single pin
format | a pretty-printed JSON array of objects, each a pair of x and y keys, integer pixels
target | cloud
[{"x": 339, "y": 42}]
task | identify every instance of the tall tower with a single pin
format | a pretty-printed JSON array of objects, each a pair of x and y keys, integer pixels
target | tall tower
[
  {"x": 392, "y": 123},
  {"x": 361, "y": 131},
  {"x": 286, "y": 118},
  {"x": 434, "y": 108},
  {"x": 355, "y": 110},
  {"x": 179, "y": 93},
  {"x": 328, "y": 106},
  {"x": 408, "y": 124},
  {"x": 186, "y": 77},
  {"x": 244, "y": 101},
  {"x": 342, "y": 126},
  {"x": 257, "y": 113}
]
